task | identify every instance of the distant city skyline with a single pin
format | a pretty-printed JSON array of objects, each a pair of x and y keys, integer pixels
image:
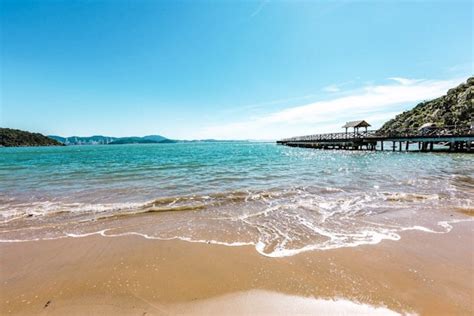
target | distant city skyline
[{"x": 225, "y": 70}]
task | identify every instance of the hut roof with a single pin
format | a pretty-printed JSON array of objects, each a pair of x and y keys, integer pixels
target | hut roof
[{"x": 361, "y": 123}]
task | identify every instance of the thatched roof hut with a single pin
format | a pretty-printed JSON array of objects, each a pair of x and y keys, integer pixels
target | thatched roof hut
[{"x": 356, "y": 125}]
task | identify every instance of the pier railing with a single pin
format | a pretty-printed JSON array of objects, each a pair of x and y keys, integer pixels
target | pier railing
[
  {"x": 331, "y": 136},
  {"x": 374, "y": 134}
]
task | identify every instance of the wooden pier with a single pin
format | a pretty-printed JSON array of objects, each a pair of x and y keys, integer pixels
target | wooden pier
[{"x": 446, "y": 139}]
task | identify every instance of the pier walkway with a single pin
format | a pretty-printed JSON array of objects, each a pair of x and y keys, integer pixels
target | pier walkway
[{"x": 446, "y": 138}]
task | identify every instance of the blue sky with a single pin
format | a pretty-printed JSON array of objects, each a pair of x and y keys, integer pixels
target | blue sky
[{"x": 225, "y": 69}]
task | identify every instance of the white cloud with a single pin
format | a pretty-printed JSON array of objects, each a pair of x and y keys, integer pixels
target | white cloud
[
  {"x": 404, "y": 81},
  {"x": 332, "y": 88},
  {"x": 375, "y": 103}
]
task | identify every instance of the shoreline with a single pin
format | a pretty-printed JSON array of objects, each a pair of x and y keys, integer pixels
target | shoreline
[{"x": 421, "y": 273}]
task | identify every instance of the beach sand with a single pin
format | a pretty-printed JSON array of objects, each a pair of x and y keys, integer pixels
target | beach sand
[{"x": 423, "y": 273}]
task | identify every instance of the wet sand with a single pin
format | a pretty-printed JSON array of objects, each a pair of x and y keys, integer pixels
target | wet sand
[{"x": 423, "y": 273}]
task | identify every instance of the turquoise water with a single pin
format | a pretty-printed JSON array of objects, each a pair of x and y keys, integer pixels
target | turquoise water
[{"x": 279, "y": 199}]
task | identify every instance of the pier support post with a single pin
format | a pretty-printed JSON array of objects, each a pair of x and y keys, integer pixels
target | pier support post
[
  {"x": 407, "y": 145},
  {"x": 423, "y": 146},
  {"x": 381, "y": 145},
  {"x": 393, "y": 146}
]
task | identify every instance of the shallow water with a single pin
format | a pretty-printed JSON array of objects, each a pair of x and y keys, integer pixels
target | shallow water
[{"x": 279, "y": 199}]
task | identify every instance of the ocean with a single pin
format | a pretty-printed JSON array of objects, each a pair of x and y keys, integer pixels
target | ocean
[{"x": 280, "y": 200}]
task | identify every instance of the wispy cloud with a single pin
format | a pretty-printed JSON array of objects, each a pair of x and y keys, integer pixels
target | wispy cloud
[
  {"x": 405, "y": 81},
  {"x": 271, "y": 103},
  {"x": 462, "y": 68},
  {"x": 332, "y": 88},
  {"x": 260, "y": 7},
  {"x": 375, "y": 103}
]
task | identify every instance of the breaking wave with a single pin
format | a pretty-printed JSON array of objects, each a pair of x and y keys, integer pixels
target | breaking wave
[{"x": 277, "y": 222}]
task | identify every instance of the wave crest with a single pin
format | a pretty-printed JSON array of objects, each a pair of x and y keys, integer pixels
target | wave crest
[{"x": 278, "y": 222}]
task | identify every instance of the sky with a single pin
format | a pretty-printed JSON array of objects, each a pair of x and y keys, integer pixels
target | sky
[{"x": 225, "y": 69}]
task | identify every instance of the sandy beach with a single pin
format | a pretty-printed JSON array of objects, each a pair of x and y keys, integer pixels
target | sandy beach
[
  {"x": 426, "y": 274},
  {"x": 236, "y": 158}
]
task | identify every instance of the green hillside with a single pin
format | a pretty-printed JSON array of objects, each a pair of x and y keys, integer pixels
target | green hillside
[
  {"x": 456, "y": 108},
  {"x": 17, "y": 138}
]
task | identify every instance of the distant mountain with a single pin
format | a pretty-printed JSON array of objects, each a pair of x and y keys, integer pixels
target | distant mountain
[
  {"x": 92, "y": 140},
  {"x": 107, "y": 140},
  {"x": 133, "y": 140},
  {"x": 168, "y": 141},
  {"x": 212, "y": 141},
  {"x": 454, "y": 108},
  {"x": 17, "y": 138},
  {"x": 156, "y": 138},
  {"x": 149, "y": 139}
]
